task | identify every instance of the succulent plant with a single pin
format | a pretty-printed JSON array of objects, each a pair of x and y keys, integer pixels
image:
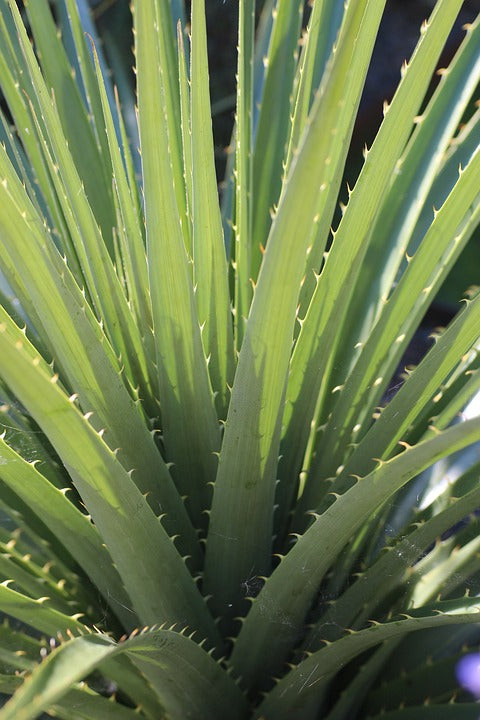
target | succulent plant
[{"x": 220, "y": 499}]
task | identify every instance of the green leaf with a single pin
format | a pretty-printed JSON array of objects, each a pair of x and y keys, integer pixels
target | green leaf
[
  {"x": 172, "y": 410},
  {"x": 121, "y": 513},
  {"x": 209, "y": 260},
  {"x": 313, "y": 70},
  {"x": 82, "y": 352},
  {"x": 185, "y": 103},
  {"x": 289, "y": 695},
  {"x": 86, "y": 78},
  {"x": 389, "y": 574},
  {"x": 452, "y": 227},
  {"x": 37, "y": 613},
  {"x": 286, "y": 597},
  {"x": 244, "y": 168},
  {"x": 423, "y": 383},
  {"x": 458, "y": 155},
  {"x": 93, "y": 166},
  {"x": 245, "y": 485},
  {"x": 318, "y": 42},
  {"x": 69, "y": 525},
  {"x": 430, "y": 682},
  {"x": 102, "y": 282},
  {"x": 273, "y": 123},
  {"x": 408, "y": 190},
  {"x": 186, "y": 396},
  {"x": 18, "y": 91},
  {"x": 354, "y": 693},
  {"x": 451, "y": 711},
  {"x": 82, "y": 704},
  {"x": 310, "y": 385},
  {"x": 185, "y": 676},
  {"x": 131, "y": 236}
]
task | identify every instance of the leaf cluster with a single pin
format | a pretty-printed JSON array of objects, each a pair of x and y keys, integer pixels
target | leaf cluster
[{"x": 219, "y": 498}]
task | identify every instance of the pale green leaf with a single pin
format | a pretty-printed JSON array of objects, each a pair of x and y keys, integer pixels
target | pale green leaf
[
  {"x": 244, "y": 169},
  {"x": 83, "y": 353},
  {"x": 310, "y": 383},
  {"x": 245, "y": 485},
  {"x": 186, "y": 397},
  {"x": 209, "y": 260},
  {"x": 271, "y": 135}
]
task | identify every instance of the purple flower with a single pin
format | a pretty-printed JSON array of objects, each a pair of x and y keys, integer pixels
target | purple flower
[{"x": 468, "y": 673}]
